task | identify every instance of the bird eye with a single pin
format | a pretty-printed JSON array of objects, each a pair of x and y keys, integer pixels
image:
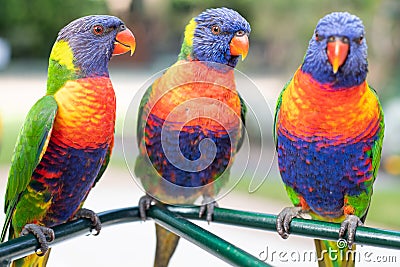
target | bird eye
[
  {"x": 240, "y": 33},
  {"x": 215, "y": 29},
  {"x": 360, "y": 39},
  {"x": 98, "y": 29},
  {"x": 318, "y": 37},
  {"x": 122, "y": 27}
]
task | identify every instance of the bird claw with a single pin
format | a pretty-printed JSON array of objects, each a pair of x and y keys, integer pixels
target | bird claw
[
  {"x": 208, "y": 204},
  {"x": 284, "y": 219},
  {"x": 350, "y": 225},
  {"x": 144, "y": 204},
  {"x": 91, "y": 215},
  {"x": 43, "y": 234}
]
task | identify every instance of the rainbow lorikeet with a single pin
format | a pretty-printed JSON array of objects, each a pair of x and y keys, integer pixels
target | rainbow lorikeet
[
  {"x": 65, "y": 143},
  {"x": 191, "y": 120},
  {"x": 329, "y": 131}
]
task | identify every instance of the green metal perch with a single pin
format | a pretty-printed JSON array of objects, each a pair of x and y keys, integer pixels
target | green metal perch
[{"x": 172, "y": 218}]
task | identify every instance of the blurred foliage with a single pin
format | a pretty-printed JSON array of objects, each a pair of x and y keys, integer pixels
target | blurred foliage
[
  {"x": 391, "y": 49},
  {"x": 280, "y": 31},
  {"x": 279, "y": 38},
  {"x": 277, "y": 26},
  {"x": 32, "y": 26}
]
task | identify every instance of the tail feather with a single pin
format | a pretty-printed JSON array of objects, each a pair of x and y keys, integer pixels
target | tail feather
[
  {"x": 166, "y": 245},
  {"x": 330, "y": 255},
  {"x": 32, "y": 260},
  {"x": 9, "y": 211}
]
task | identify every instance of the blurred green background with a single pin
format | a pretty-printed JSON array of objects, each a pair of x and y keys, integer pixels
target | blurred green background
[
  {"x": 279, "y": 38},
  {"x": 280, "y": 29}
]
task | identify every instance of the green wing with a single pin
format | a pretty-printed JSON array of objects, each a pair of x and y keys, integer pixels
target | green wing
[
  {"x": 375, "y": 154},
  {"x": 377, "y": 147},
  {"x": 140, "y": 123},
  {"x": 141, "y": 164},
  {"x": 277, "y": 108},
  {"x": 361, "y": 202},
  {"x": 243, "y": 111},
  {"x": 31, "y": 144}
]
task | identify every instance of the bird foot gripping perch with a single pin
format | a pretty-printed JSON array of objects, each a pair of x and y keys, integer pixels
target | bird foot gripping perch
[
  {"x": 350, "y": 225},
  {"x": 44, "y": 235},
  {"x": 284, "y": 218},
  {"x": 91, "y": 215},
  {"x": 144, "y": 204},
  {"x": 207, "y": 207}
]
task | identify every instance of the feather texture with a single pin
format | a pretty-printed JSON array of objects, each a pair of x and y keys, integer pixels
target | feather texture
[
  {"x": 329, "y": 129},
  {"x": 66, "y": 141},
  {"x": 191, "y": 119}
]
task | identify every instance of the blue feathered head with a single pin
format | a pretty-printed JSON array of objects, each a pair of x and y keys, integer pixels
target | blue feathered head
[
  {"x": 217, "y": 35},
  {"x": 91, "y": 41},
  {"x": 337, "y": 52}
]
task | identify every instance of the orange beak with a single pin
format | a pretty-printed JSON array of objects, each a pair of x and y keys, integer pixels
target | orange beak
[
  {"x": 124, "y": 42},
  {"x": 337, "y": 52},
  {"x": 239, "y": 46}
]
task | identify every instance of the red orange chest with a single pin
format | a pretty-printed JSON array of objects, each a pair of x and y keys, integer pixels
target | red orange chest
[
  {"x": 86, "y": 112},
  {"x": 196, "y": 96},
  {"x": 310, "y": 109}
]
